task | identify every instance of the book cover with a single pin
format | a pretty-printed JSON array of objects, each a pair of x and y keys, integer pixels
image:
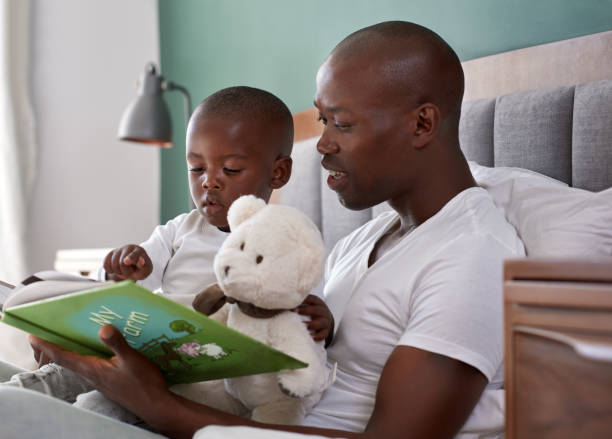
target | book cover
[{"x": 187, "y": 346}]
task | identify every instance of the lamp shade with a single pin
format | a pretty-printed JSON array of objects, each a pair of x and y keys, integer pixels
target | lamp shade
[{"x": 147, "y": 119}]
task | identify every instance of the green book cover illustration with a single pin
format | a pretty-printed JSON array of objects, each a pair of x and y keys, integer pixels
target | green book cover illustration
[{"x": 187, "y": 346}]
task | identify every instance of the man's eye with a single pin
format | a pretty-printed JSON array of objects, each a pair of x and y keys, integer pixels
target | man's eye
[
  {"x": 232, "y": 171},
  {"x": 196, "y": 170},
  {"x": 343, "y": 126},
  {"x": 322, "y": 119}
]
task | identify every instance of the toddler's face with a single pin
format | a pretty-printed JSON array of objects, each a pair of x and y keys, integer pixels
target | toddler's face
[{"x": 227, "y": 159}]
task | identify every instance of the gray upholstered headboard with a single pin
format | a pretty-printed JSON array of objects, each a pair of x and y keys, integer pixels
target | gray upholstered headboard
[{"x": 562, "y": 132}]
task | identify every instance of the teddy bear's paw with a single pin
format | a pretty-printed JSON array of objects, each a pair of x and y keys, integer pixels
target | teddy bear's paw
[
  {"x": 297, "y": 384},
  {"x": 286, "y": 391}
]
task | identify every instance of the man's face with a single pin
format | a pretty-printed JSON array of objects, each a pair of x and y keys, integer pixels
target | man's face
[
  {"x": 227, "y": 159},
  {"x": 364, "y": 142}
]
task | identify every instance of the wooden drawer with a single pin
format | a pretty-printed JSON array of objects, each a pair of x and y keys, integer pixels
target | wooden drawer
[{"x": 558, "y": 336}]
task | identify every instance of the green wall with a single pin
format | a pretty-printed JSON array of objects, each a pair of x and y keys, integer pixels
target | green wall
[{"x": 278, "y": 45}]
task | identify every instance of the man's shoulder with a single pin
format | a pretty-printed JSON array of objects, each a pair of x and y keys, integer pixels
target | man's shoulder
[
  {"x": 476, "y": 233},
  {"x": 490, "y": 220}
]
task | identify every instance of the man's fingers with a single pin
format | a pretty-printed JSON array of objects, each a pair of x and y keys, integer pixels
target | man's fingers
[
  {"x": 317, "y": 324},
  {"x": 318, "y": 336},
  {"x": 311, "y": 299},
  {"x": 53, "y": 353},
  {"x": 311, "y": 310},
  {"x": 42, "y": 359},
  {"x": 112, "y": 338}
]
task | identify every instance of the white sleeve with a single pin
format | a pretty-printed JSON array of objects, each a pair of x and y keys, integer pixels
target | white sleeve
[
  {"x": 160, "y": 248},
  {"x": 456, "y": 308}
]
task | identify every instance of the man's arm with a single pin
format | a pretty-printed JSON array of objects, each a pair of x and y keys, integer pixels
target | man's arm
[{"x": 419, "y": 395}]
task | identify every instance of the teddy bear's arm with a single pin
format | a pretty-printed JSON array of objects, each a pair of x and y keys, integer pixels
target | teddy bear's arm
[
  {"x": 222, "y": 314},
  {"x": 211, "y": 302},
  {"x": 293, "y": 338}
]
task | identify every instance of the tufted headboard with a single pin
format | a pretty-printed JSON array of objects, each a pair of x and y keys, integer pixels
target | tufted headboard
[{"x": 564, "y": 132}]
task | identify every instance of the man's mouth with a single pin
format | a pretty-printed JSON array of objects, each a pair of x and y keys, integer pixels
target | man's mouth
[
  {"x": 336, "y": 174},
  {"x": 337, "y": 180}
]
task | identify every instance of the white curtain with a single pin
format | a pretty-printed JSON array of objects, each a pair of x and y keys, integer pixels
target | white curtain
[{"x": 17, "y": 138}]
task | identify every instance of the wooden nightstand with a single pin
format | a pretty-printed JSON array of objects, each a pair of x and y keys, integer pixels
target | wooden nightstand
[{"x": 558, "y": 342}]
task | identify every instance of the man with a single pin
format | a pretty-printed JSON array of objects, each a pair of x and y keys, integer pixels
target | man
[{"x": 416, "y": 293}]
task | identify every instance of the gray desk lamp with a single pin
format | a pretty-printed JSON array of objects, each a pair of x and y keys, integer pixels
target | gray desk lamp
[{"x": 147, "y": 119}]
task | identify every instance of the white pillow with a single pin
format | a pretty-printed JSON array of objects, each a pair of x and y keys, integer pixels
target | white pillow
[{"x": 551, "y": 218}]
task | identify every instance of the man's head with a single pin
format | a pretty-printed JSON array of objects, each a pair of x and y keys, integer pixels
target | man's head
[
  {"x": 390, "y": 97},
  {"x": 239, "y": 142}
]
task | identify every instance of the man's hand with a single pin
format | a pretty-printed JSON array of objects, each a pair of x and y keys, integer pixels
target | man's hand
[
  {"x": 128, "y": 262},
  {"x": 40, "y": 357},
  {"x": 321, "y": 325},
  {"x": 127, "y": 378}
]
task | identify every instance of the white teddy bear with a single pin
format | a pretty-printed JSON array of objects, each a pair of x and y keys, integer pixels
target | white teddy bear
[{"x": 267, "y": 266}]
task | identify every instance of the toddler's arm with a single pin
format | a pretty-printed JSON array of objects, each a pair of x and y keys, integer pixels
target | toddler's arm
[
  {"x": 321, "y": 324},
  {"x": 128, "y": 262}
]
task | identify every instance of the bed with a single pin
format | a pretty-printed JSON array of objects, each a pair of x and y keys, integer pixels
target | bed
[{"x": 515, "y": 114}]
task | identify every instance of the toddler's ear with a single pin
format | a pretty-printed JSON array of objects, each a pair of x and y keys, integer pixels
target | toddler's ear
[{"x": 281, "y": 172}]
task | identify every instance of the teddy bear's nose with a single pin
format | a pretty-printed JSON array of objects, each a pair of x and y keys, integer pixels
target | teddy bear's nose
[{"x": 226, "y": 269}]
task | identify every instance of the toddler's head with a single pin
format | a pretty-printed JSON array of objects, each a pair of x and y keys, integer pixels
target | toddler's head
[{"x": 239, "y": 142}]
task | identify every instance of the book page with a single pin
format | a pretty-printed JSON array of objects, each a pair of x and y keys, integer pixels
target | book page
[
  {"x": 50, "y": 288},
  {"x": 5, "y": 291},
  {"x": 53, "y": 275}
]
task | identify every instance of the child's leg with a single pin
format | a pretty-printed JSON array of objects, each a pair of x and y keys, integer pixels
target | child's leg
[
  {"x": 95, "y": 401},
  {"x": 7, "y": 370},
  {"x": 212, "y": 394},
  {"x": 50, "y": 379},
  {"x": 30, "y": 415}
]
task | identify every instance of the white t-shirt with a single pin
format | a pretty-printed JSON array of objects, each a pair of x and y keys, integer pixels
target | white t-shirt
[
  {"x": 438, "y": 289},
  {"x": 182, "y": 253}
]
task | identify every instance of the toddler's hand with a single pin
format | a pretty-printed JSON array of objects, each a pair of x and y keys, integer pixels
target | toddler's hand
[
  {"x": 321, "y": 325},
  {"x": 128, "y": 262}
]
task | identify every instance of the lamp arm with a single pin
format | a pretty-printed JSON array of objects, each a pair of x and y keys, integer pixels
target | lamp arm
[{"x": 169, "y": 85}]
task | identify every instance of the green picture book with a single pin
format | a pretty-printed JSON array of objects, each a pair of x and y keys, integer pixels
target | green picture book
[{"x": 187, "y": 346}]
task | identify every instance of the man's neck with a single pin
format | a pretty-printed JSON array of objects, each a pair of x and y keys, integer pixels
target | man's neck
[{"x": 434, "y": 191}]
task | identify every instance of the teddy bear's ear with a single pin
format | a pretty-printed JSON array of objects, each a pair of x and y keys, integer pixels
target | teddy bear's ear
[{"x": 242, "y": 209}]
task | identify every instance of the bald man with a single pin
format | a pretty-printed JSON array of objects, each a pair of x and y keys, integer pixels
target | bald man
[{"x": 416, "y": 292}]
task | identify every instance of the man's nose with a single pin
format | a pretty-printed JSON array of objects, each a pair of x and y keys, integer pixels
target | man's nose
[{"x": 327, "y": 145}]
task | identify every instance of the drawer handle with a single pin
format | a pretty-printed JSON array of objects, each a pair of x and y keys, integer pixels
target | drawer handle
[{"x": 593, "y": 350}]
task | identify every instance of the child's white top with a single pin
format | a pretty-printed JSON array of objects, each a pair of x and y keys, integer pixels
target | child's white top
[{"x": 182, "y": 252}]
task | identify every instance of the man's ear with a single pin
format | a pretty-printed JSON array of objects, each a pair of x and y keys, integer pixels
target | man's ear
[
  {"x": 426, "y": 127},
  {"x": 281, "y": 172}
]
